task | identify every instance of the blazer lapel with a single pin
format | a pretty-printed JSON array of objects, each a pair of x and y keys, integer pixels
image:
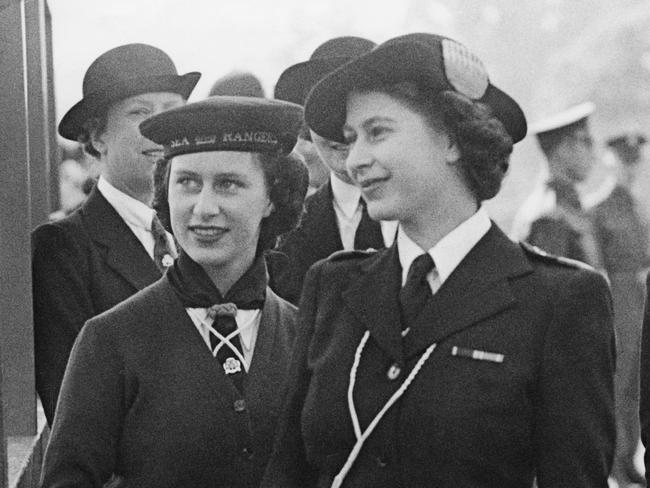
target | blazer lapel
[
  {"x": 195, "y": 357},
  {"x": 269, "y": 361},
  {"x": 372, "y": 298},
  {"x": 478, "y": 288},
  {"x": 124, "y": 252},
  {"x": 320, "y": 229}
]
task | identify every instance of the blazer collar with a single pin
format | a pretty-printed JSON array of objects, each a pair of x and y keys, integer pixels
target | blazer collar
[
  {"x": 124, "y": 252},
  {"x": 477, "y": 288},
  {"x": 372, "y": 298}
]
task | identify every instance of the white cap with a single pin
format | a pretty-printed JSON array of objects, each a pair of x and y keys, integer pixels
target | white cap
[{"x": 562, "y": 119}]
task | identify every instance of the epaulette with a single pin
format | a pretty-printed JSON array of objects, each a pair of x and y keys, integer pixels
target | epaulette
[
  {"x": 349, "y": 255},
  {"x": 536, "y": 252}
]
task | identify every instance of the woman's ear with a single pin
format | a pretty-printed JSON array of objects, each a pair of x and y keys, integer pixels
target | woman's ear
[
  {"x": 97, "y": 140},
  {"x": 269, "y": 208}
]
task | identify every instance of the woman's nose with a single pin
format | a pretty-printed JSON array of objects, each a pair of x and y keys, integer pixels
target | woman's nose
[
  {"x": 207, "y": 203},
  {"x": 358, "y": 158}
]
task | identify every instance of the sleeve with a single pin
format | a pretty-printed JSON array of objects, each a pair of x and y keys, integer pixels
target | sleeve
[
  {"x": 574, "y": 426},
  {"x": 82, "y": 449},
  {"x": 644, "y": 409},
  {"x": 288, "y": 466},
  {"x": 62, "y": 304}
]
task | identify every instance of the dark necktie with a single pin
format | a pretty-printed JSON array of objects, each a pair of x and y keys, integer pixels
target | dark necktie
[
  {"x": 416, "y": 291},
  {"x": 230, "y": 354},
  {"x": 368, "y": 234},
  {"x": 163, "y": 254}
]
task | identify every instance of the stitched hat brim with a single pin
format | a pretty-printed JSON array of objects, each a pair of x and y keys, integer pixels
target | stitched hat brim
[
  {"x": 71, "y": 125},
  {"x": 325, "y": 108},
  {"x": 296, "y": 81}
]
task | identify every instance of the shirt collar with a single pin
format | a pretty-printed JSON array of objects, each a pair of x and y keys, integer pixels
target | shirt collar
[
  {"x": 448, "y": 253},
  {"x": 132, "y": 211},
  {"x": 345, "y": 195}
]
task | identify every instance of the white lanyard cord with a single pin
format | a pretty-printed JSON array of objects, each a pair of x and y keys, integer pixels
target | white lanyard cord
[{"x": 361, "y": 437}]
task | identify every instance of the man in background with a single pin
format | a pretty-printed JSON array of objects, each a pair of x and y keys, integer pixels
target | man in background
[
  {"x": 335, "y": 216},
  {"x": 622, "y": 235},
  {"x": 554, "y": 218}
]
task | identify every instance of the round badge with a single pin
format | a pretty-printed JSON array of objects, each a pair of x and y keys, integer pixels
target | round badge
[
  {"x": 167, "y": 260},
  {"x": 464, "y": 70},
  {"x": 231, "y": 366}
]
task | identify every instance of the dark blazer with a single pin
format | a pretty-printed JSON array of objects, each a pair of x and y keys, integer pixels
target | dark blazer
[
  {"x": 546, "y": 410},
  {"x": 144, "y": 399},
  {"x": 82, "y": 265},
  {"x": 316, "y": 238}
]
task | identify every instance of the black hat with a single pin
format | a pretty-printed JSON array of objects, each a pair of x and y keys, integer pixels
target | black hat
[
  {"x": 432, "y": 61},
  {"x": 296, "y": 81},
  {"x": 120, "y": 73},
  {"x": 226, "y": 124},
  {"x": 239, "y": 84},
  {"x": 628, "y": 146}
]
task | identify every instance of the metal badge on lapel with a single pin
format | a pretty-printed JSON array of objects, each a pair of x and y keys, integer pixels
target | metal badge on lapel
[
  {"x": 231, "y": 366},
  {"x": 167, "y": 260}
]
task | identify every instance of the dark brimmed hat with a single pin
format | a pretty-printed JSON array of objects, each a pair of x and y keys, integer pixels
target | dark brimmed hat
[
  {"x": 296, "y": 81},
  {"x": 121, "y": 73},
  {"x": 226, "y": 124},
  {"x": 238, "y": 84},
  {"x": 432, "y": 62}
]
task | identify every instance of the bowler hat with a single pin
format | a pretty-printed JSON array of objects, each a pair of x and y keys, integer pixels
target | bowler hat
[
  {"x": 120, "y": 73},
  {"x": 431, "y": 61},
  {"x": 239, "y": 84},
  {"x": 223, "y": 123},
  {"x": 296, "y": 81}
]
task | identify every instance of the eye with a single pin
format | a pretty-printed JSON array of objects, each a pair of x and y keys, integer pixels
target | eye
[
  {"x": 377, "y": 132},
  {"x": 229, "y": 185},
  {"x": 189, "y": 183},
  {"x": 140, "y": 112}
]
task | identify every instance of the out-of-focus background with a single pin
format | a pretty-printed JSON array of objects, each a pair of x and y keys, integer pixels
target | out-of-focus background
[{"x": 548, "y": 54}]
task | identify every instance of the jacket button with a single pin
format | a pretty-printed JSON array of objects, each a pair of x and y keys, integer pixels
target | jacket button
[
  {"x": 239, "y": 405},
  {"x": 393, "y": 372}
]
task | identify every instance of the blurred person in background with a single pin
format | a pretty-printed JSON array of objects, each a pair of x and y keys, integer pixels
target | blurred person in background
[
  {"x": 335, "y": 217},
  {"x": 237, "y": 83},
  {"x": 181, "y": 385},
  {"x": 455, "y": 358},
  {"x": 554, "y": 218},
  {"x": 72, "y": 180},
  {"x": 623, "y": 238},
  {"x": 113, "y": 245}
]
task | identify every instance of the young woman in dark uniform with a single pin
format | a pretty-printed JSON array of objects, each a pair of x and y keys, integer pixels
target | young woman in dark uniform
[
  {"x": 456, "y": 358},
  {"x": 180, "y": 385}
]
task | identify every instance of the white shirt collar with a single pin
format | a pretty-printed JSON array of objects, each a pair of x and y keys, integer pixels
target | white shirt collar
[
  {"x": 448, "y": 253},
  {"x": 345, "y": 196},
  {"x": 132, "y": 211}
]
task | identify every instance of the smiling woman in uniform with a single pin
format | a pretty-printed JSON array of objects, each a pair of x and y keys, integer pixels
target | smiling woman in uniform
[
  {"x": 455, "y": 358},
  {"x": 180, "y": 385}
]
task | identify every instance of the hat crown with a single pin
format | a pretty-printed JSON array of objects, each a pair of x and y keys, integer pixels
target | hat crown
[
  {"x": 126, "y": 62},
  {"x": 343, "y": 47}
]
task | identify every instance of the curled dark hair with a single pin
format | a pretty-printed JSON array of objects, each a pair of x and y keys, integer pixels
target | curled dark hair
[
  {"x": 287, "y": 180},
  {"x": 485, "y": 145},
  {"x": 94, "y": 124}
]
